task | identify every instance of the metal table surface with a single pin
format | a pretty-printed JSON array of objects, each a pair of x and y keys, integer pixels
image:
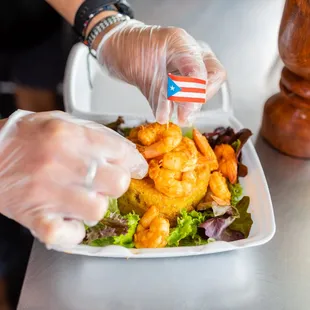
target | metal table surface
[{"x": 275, "y": 276}]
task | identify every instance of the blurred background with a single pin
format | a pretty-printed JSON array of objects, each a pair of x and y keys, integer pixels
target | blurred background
[{"x": 34, "y": 47}]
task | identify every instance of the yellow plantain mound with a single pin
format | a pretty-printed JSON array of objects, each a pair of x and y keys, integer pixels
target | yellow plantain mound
[{"x": 142, "y": 194}]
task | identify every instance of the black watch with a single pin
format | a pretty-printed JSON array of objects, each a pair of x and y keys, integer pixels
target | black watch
[{"x": 90, "y": 8}]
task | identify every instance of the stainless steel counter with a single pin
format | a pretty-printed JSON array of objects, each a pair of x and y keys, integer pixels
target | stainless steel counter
[{"x": 273, "y": 276}]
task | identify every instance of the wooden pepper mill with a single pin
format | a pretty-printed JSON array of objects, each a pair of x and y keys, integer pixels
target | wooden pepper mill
[{"x": 286, "y": 118}]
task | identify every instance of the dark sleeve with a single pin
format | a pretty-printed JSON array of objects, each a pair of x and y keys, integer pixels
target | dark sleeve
[{"x": 24, "y": 23}]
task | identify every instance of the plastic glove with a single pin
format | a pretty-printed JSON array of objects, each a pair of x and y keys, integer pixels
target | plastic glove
[
  {"x": 44, "y": 161},
  {"x": 144, "y": 55}
]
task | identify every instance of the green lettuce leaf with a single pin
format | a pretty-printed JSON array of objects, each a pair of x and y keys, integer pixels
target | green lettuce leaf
[
  {"x": 189, "y": 134},
  {"x": 127, "y": 240},
  {"x": 185, "y": 233},
  {"x": 113, "y": 229},
  {"x": 126, "y": 131},
  {"x": 244, "y": 222},
  {"x": 236, "y": 191},
  {"x": 113, "y": 206},
  {"x": 101, "y": 242},
  {"x": 236, "y": 145}
]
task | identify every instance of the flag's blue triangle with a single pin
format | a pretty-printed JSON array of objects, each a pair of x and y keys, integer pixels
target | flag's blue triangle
[{"x": 172, "y": 88}]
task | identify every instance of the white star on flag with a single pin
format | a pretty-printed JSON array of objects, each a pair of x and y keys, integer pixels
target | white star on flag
[{"x": 172, "y": 88}]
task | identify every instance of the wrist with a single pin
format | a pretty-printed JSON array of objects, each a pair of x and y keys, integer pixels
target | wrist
[
  {"x": 99, "y": 37},
  {"x": 91, "y": 11},
  {"x": 97, "y": 18},
  {"x": 103, "y": 30}
]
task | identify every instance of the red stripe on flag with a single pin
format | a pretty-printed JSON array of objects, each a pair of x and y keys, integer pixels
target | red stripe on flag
[
  {"x": 186, "y": 79},
  {"x": 193, "y": 90},
  {"x": 187, "y": 99}
]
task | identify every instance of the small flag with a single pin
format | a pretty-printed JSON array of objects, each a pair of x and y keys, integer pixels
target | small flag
[{"x": 186, "y": 89}]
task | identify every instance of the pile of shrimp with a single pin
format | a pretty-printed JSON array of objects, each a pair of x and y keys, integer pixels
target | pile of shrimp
[{"x": 176, "y": 163}]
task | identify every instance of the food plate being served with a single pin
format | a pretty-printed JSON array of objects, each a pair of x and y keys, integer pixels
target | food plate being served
[{"x": 205, "y": 192}]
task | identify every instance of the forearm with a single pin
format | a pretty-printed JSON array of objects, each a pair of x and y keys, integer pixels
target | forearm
[{"x": 68, "y": 9}]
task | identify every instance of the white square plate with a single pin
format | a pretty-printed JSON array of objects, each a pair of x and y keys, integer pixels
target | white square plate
[
  {"x": 83, "y": 99},
  {"x": 254, "y": 185}
]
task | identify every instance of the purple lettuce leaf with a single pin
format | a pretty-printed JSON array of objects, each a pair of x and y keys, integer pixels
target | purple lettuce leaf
[
  {"x": 214, "y": 227},
  {"x": 113, "y": 224},
  {"x": 242, "y": 170},
  {"x": 229, "y": 235},
  {"x": 242, "y": 135},
  {"x": 114, "y": 220},
  {"x": 235, "y": 224},
  {"x": 217, "y": 228},
  {"x": 100, "y": 232}
]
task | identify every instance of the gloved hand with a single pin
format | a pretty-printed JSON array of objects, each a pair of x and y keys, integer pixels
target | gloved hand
[
  {"x": 143, "y": 56},
  {"x": 57, "y": 171}
]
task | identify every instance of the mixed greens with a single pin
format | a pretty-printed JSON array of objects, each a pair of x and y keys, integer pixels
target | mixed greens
[
  {"x": 208, "y": 223},
  {"x": 113, "y": 229},
  {"x": 237, "y": 140}
]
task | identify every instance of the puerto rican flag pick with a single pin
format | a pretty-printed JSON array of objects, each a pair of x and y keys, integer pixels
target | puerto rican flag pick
[{"x": 186, "y": 89}]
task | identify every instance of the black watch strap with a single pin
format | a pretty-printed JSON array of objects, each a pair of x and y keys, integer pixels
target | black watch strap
[{"x": 91, "y": 7}]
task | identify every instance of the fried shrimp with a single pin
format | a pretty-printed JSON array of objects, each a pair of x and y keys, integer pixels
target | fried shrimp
[
  {"x": 182, "y": 158},
  {"x": 227, "y": 160},
  {"x": 219, "y": 188},
  {"x": 205, "y": 149},
  {"x": 152, "y": 230},
  {"x": 169, "y": 182},
  {"x": 133, "y": 135},
  {"x": 159, "y": 139},
  {"x": 203, "y": 168}
]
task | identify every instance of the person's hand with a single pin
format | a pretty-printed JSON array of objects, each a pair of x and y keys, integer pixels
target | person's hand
[
  {"x": 143, "y": 56},
  {"x": 58, "y": 171}
]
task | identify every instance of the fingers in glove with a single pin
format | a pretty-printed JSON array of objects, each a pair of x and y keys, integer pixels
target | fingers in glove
[
  {"x": 111, "y": 180},
  {"x": 216, "y": 71},
  {"x": 216, "y": 74},
  {"x": 98, "y": 142},
  {"x": 54, "y": 230},
  {"x": 79, "y": 203},
  {"x": 187, "y": 59},
  {"x": 164, "y": 108},
  {"x": 186, "y": 113},
  {"x": 117, "y": 151}
]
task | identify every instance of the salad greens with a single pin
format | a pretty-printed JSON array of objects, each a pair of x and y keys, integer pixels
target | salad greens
[
  {"x": 119, "y": 128},
  {"x": 214, "y": 227},
  {"x": 186, "y": 231},
  {"x": 244, "y": 222},
  {"x": 236, "y": 145},
  {"x": 113, "y": 229},
  {"x": 198, "y": 228},
  {"x": 233, "y": 225},
  {"x": 236, "y": 193},
  {"x": 126, "y": 240},
  {"x": 189, "y": 134}
]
